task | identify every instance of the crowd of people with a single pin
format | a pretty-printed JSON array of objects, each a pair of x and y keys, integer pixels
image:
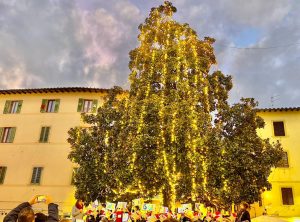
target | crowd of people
[
  {"x": 135, "y": 215},
  {"x": 25, "y": 213}
]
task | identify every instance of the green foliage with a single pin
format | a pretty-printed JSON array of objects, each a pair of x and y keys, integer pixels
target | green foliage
[
  {"x": 162, "y": 139},
  {"x": 243, "y": 160},
  {"x": 101, "y": 153}
]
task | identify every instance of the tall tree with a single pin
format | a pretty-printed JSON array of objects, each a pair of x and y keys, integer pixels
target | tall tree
[
  {"x": 175, "y": 133},
  {"x": 171, "y": 98}
]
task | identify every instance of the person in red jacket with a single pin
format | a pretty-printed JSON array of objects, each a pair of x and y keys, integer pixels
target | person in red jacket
[{"x": 119, "y": 215}]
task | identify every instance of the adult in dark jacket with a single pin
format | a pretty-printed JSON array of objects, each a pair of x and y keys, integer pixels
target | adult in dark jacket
[
  {"x": 243, "y": 215},
  {"x": 24, "y": 212}
]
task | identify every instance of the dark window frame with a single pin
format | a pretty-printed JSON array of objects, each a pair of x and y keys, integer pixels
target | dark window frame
[
  {"x": 3, "y": 170},
  {"x": 279, "y": 128},
  {"x": 44, "y": 134},
  {"x": 36, "y": 175},
  {"x": 14, "y": 107},
  {"x": 289, "y": 199},
  {"x": 8, "y": 134}
]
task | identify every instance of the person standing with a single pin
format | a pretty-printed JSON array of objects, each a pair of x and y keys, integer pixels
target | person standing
[
  {"x": 24, "y": 212},
  {"x": 243, "y": 215},
  {"x": 77, "y": 211}
]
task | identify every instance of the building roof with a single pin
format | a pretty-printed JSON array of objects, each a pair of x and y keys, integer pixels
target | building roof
[
  {"x": 52, "y": 90},
  {"x": 280, "y": 109}
]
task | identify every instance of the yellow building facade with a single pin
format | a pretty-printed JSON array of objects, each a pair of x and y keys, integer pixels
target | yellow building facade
[
  {"x": 282, "y": 124},
  {"x": 34, "y": 126}
]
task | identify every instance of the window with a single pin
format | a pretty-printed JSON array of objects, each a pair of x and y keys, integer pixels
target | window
[
  {"x": 287, "y": 196},
  {"x": 7, "y": 134},
  {"x": 278, "y": 128},
  {"x": 50, "y": 106},
  {"x": 12, "y": 106},
  {"x": 87, "y": 105},
  {"x": 2, "y": 174},
  {"x": 36, "y": 175},
  {"x": 284, "y": 162},
  {"x": 44, "y": 134},
  {"x": 74, "y": 171}
]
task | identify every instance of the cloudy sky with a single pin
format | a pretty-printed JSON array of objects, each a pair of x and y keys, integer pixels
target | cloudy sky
[{"x": 58, "y": 43}]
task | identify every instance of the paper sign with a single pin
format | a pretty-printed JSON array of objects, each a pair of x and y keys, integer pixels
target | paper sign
[
  {"x": 166, "y": 210},
  {"x": 121, "y": 205},
  {"x": 125, "y": 217},
  {"x": 180, "y": 210},
  {"x": 95, "y": 204},
  {"x": 110, "y": 206},
  {"x": 137, "y": 202},
  {"x": 186, "y": 206},
  {"x": 148, "y": 207}
]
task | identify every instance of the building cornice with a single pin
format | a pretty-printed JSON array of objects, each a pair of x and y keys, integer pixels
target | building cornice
[
  {"x": 53, "y": 90},
  {"x": 280, "y": 109}
]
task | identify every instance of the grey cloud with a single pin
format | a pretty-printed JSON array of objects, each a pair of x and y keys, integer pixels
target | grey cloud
[
  {"x": 257, "y": 73},
  {"x": 47, "y": 43},
  {"x": 86, "y": 43}
]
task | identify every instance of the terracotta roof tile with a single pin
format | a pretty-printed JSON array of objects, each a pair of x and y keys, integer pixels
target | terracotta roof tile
[
  {"x": 280, "y": 109},
  {"x": 52, "y": 90}
]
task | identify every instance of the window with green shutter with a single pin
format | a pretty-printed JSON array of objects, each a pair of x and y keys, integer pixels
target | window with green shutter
[
  {"x": 44, "y": 134},
  {"x": 87, "y": 105},
  {"x": 7, "y": 134},
  {"x": 20, "y": 103},
  {"x": 1, "y": 133},
  {"x": 56, "y": 107},
  {"x": 7, "y": 106},
  {"x": 50, "y": 105},
  {"x": 36, "y": 175},
  {"x": 95, "y": 104},
  {"x": 12, "y": 106},
  {"x": 80, "y": 105},
  {"x": 2, "y": 173},
  {"x": 44, "y": 105}
]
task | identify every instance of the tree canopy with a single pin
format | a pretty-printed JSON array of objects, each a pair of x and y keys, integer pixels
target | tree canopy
[{"x": 174, "y": 133}]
